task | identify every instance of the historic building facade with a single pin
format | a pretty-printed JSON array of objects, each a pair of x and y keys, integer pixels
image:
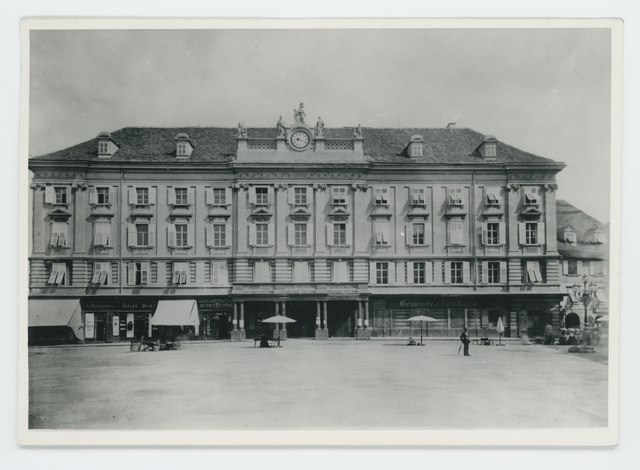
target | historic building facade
[
  {"x": 349, "y": 231},
  {"x": 583, "y": 243}
]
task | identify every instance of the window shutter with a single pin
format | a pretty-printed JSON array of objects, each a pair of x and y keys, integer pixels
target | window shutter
[
  {"x": 176, "y": 272},
  {"x": 466, "y": 272},
  {"x": 55, "y": 234},
  {"x": 427, "y": 233},
  {"x": 270, "y": 197},
  {"x": 409, "y": 272},
  {"x": 133, "y": 196},
  {"x": 97, "y": 233},
  {"x": 190, "y": 236},
  {"x": 565, "y": 266},
  {"x": 484, "y": 272},
  {"x": 252, "y": 195},
  {"x": 503, "y": 272},
  {"x": 224, "y": 273},
  {"x": 428, "y": 272},
  {"x": 502, "y": 233},
  {"x": 53, "y": 275},
  {"x": 61, "y": 273},
  {"x": 208, "y": 196},
  {"x": 252, "y": 234},
  {"x": 152, "y": 195},
  {"x": 152, "y": 235},
  {"x": 384, "y": 229},
  {"x": 522, "y": 235},
  {"x": 392, "y": 272},
  {"x": 132, "y": 238},
  {"x": 592, "y": 267},
  {"x": 447, "y": 272},
  {"x": 144, "y": 273},
  {"x": 349, "y": 234},
  {"x": 372, "y": 272},
  {"x": 408, "y": 234},
  {"x": 131, "y": 278},
  {"x": 271, "y": 234},
  {"x": 63, "y": 240},
  {"x": 106, "y": 234},
  {"x": 579, "y": 267},
  {"x": 291, "y": 234},
  {"x": 112, "y": 196},
  {"x": 171, "y": 235},
  {"x": 97, "y": 267},
  {"x": 208, "y": 230},
  {"x": 228, "y": 196},
  {"x": 93, "y": 195},
  {"x": 171, "y": 196},
  {"x": 292, "y": 195},
  {"x": 541, "y": 233},
  {"x": 484, "y": 234},
  {"x": 215, "y": 272},
  {"x": 49, "y": 195}
]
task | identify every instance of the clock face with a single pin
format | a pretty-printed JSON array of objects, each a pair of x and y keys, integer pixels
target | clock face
[{"x": 299, "y": 139}]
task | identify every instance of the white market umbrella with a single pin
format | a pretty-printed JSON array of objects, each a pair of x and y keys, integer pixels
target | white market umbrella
[
  {"x": 278, "y": 319},
  {"x": 602, "y": 318},
  {"x": 500, "y": 330},
  {"x": 421, "y": 319}
]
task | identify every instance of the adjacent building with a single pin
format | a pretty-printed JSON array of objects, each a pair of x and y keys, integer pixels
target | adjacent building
[
  {"x": 349, "y": 231},
  {"x": 583, "y": 243}
]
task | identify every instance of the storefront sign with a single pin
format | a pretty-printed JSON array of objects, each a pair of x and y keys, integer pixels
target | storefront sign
[
  {"x": 129, "y": 325},
  {"x": 89, "y": 331},
  {"x": 215, "y": 304},
  {"x": 116, "y": 325},
  {"x": 144, "y": 305},
  {"x": 436, "y": 302}
]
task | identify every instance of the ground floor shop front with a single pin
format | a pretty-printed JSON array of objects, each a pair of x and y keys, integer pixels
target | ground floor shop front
[{"x": 116, "y": 319}]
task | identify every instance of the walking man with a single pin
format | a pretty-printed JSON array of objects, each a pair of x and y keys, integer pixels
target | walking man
[{"x": 464, "y": 337}]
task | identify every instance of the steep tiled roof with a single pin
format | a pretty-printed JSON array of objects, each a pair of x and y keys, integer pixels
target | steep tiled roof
[
  {"x": 585, "y": 226},
  {"x": 216, "y": 144}
]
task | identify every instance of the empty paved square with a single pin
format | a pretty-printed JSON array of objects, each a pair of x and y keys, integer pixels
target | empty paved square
[{"x": 313, "y": 384}]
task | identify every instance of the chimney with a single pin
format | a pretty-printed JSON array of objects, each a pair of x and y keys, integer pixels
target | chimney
[{"x": 451, "y": 125}]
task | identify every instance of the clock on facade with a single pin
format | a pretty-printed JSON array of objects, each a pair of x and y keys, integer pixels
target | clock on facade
[{"x": 300, "y": 139}]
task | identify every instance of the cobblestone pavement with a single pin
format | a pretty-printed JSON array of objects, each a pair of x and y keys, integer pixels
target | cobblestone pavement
[{"x": 314, "y": 384}]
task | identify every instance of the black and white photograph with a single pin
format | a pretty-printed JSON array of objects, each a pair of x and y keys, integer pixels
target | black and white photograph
[{"x": 243, "y": 232}]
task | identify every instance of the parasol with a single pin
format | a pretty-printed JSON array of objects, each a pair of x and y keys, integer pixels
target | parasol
[
  {"x": 421, "y": 319},
  {"x": 278, "y": 319}
]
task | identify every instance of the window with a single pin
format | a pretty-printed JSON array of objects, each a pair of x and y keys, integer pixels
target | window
[
  {"x": 456, "y": 233},
  {"x": 138, "y": 274},
  {"x": 300, "y": 234},
  {"x": 181, "y": 235},
  {"x": 572, "y": 267},
  {"x": 531, "y": 232},
  {"x": 456, "y": 272},
  {"x": 339, "y": 195},
  {"x": 456, "y": 318},
  {"x": 492, "y": 236},
  {"x": 58, "y": 273},
  {"x": 416, "y": 150},
  {"x": 381, "y": 195},
  {"x": 103, "y": 147},
  {"x": 339, "y": 234},
  {"x": 219, "y": 273},
  {"x": 262, "y": 234},
  {"x": 381, "y": 233},
  {"x": 418, "y": 196},
  {"x": 100, "y": 273},
  {"x": 382, "y": 273},
  {"x": 418, "y": 234},
  {"x": 455, "y": 196},
  {"x": 180, "y": 271},
  {"x": 597, "y": 268},
  {"x": 142, "y": 196},
  {"x": 219, "y": 196},
  {"x": 490, "y": 150},
  {"x": 492, "y": 198},
  {"x": 534, "y": 274},
  {"x": 418, "y": 273},
  {"x": 181, "y": 197},
  {"x": 262, "y": 195},
  {"x": 182, "y": 148},
  {"x": 300, "y": 195},
  {"x": 61, "y": 195},
  {"x": 570, "y": 237},
  {"x": 219, "y": 235},
  {"x": 599, "y": 237},
  {"x": 59, "y": 234},
  {"x": 493, "y": 272},
  {"x": 102, "y": 195},
  {"x": 142, "y": 232},
  {"x": 102, "y": 233},
  {"x": 531, "y": 196}
]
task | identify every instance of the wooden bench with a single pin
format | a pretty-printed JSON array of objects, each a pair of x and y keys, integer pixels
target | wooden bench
[
  {"x": 272, "y": 341},
  {"x": 482, "y": 341}
]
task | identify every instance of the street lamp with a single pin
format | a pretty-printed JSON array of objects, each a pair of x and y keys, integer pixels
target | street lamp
[{"x": 586, "y": 296}]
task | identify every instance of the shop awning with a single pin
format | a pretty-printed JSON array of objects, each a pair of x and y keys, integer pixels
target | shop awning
[
  {"x": 176, "y": 313},
  {"x": 601, "y": 297},
  {"x": 57, "y": 312}
]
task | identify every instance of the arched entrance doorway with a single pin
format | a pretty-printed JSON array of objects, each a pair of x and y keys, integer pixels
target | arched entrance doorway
[{"x": 572, "y": 320}]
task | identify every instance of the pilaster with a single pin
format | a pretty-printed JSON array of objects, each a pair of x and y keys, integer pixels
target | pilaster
[
  {"x": 361, "y": 226},
  {"x": 79, "y": 221}
]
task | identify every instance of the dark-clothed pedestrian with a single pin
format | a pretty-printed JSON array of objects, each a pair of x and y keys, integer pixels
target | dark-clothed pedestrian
[{"x": 464, "y": 337}]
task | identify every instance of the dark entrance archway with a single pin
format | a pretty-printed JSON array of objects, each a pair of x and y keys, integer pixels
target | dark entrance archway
[
  {"x": 572, "y": 320},
  {"x": 342, "y": 318},
  {"x": 304, "y": 313}
]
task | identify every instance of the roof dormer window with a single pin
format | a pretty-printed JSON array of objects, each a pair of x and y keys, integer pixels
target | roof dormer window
[
  {"x": 184, "y": 146},
  {"x": 490, "y": 150},
  {"x": 103, "y": 148},
  {"x": 416, "y": 146},
  {"x": 106, "y": 145},
  {"x": 570, "y": 237},
  {"x": 598, "y": 237}
]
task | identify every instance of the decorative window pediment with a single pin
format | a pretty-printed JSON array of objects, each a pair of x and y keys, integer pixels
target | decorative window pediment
[
  {"x": 59, "y": 215},
  {"x": 261, "y": 212},
  {"x": 531, "y": 213},
  {"x": 339, "y": 214},
  {"x": 300, "y": 213}
]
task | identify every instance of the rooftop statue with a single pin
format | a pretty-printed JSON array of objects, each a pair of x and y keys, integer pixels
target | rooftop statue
[
  {"x": 281, "y": 128},
  {"x": 299, "y": 114},
  {"x": 319, "y": 127},
  {"x": 357, "y": 132}
]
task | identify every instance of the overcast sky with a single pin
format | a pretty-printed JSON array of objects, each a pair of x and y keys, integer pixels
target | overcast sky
[{"x": 544, "y": 91}]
